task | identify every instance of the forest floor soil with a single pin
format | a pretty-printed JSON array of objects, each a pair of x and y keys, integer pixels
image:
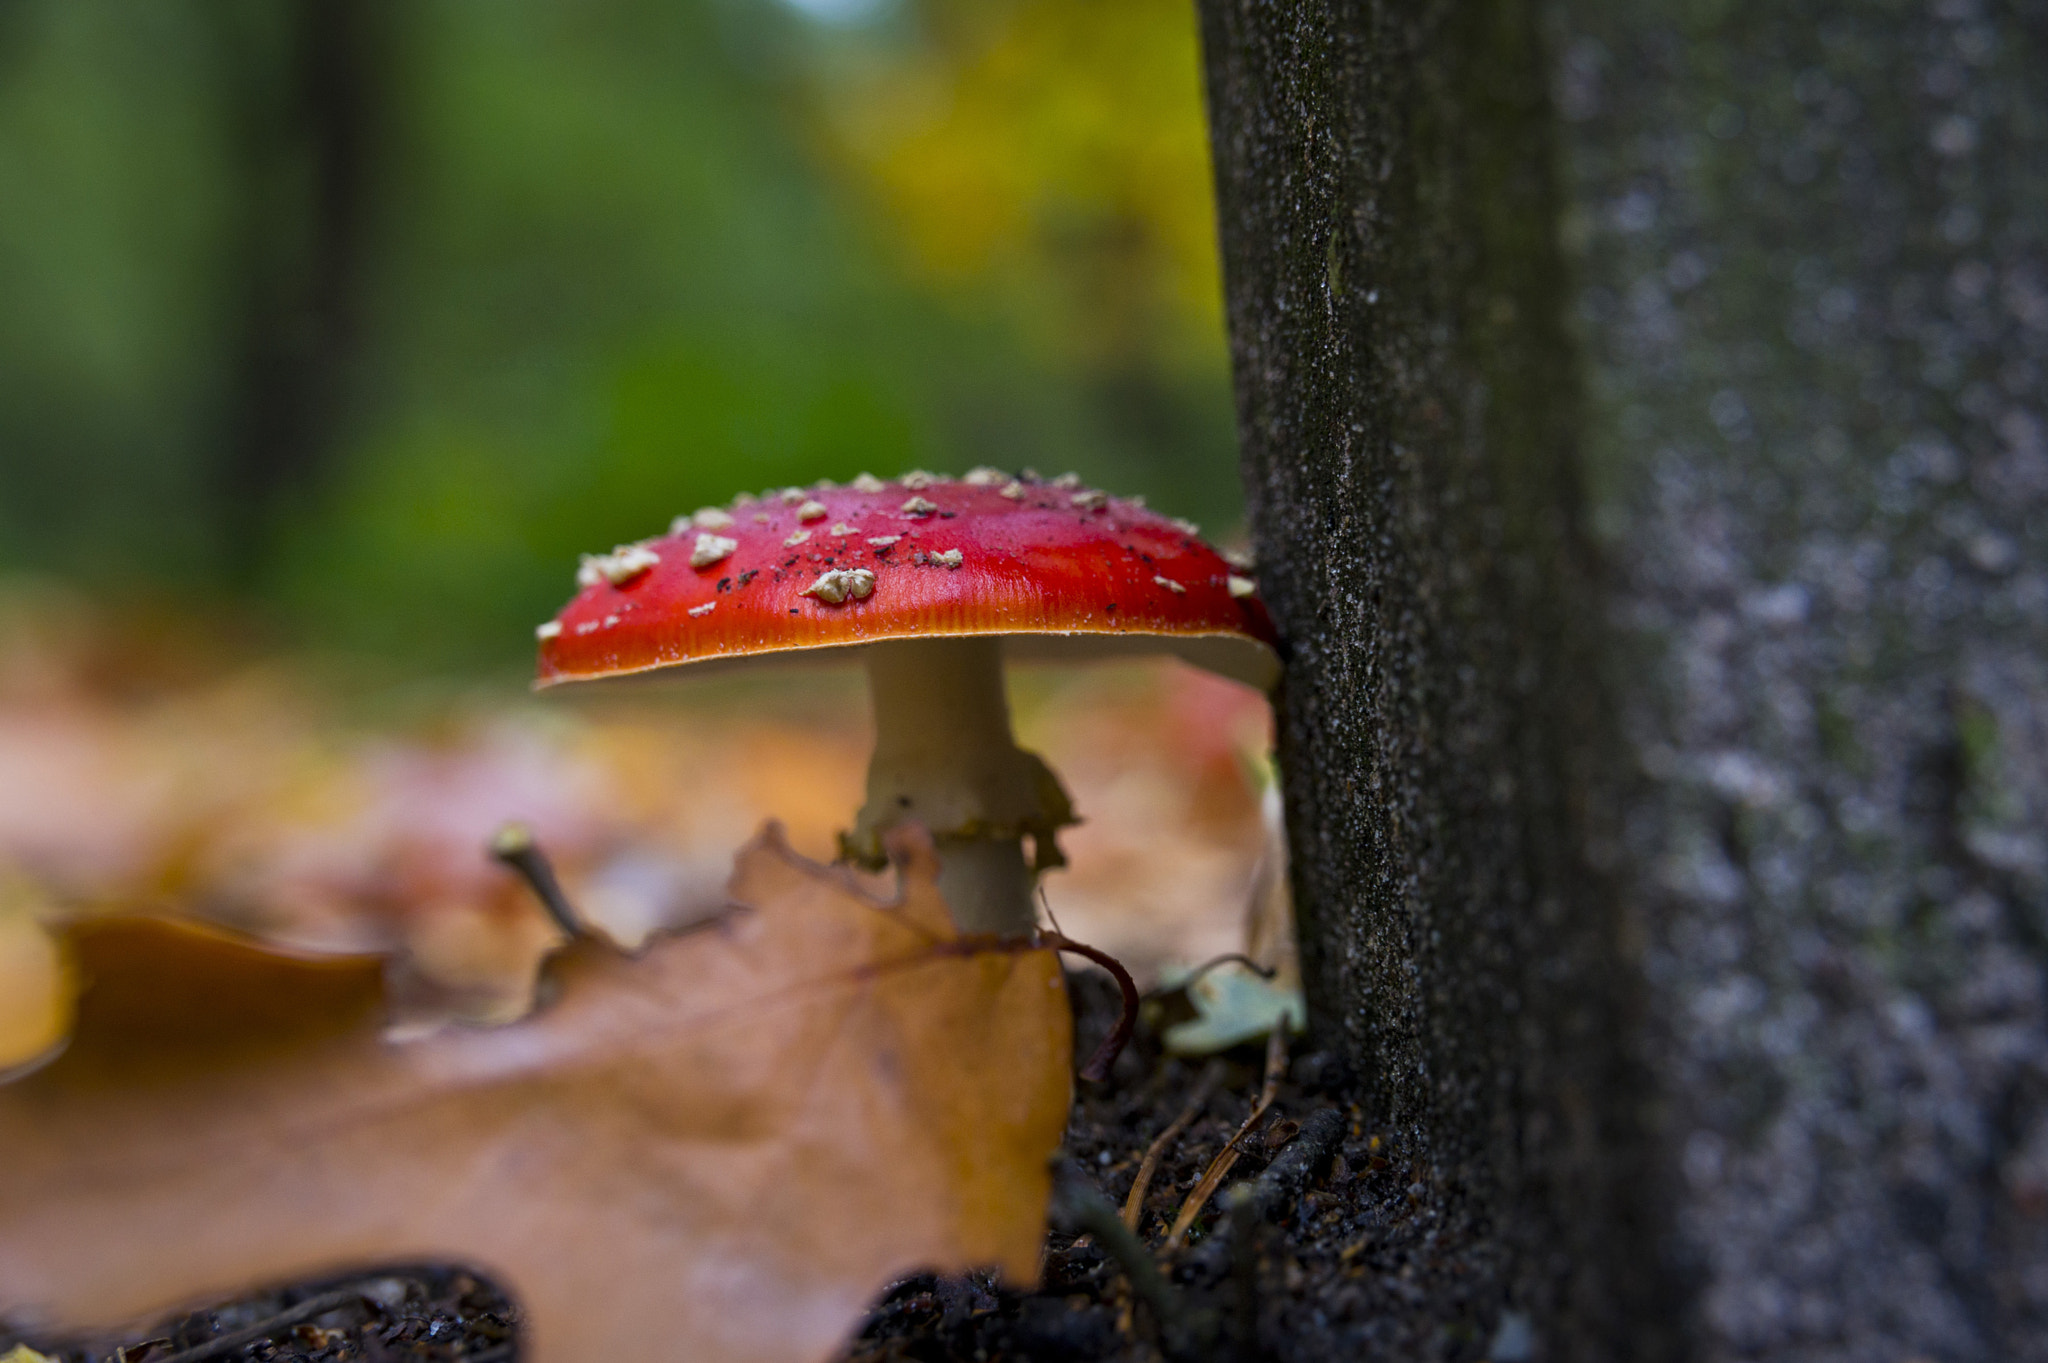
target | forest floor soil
[{"x": 1329, "y": 1275}]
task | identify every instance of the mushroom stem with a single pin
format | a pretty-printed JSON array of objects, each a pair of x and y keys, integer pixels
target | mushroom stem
[
  {"x": 986, "y": 884},
  {"x": 944, "y": 756}
]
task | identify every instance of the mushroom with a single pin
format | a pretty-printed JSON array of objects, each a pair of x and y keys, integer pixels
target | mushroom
[{"x": 936, "y": 581}]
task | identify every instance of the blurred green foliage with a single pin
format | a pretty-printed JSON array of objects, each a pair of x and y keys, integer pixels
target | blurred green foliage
[{"x": 595, "y": 263}]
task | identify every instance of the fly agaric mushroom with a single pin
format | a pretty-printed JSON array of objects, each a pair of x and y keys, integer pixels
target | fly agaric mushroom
[{"x": 934, "y": 580}]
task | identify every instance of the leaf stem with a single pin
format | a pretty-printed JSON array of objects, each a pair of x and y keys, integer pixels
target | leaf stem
[
  {"x": 514, "y": 846},
  {"x": 1097, "y": 1068},
  {"x": 1264, "y": 972}
]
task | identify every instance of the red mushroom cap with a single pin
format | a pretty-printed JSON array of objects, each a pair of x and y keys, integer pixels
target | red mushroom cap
[{"x": 1042, "y": 563}]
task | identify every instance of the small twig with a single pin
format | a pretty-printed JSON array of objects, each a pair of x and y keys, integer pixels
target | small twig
[
  {"x": 1134, "y": 1205},
  {"x": 1275, "y": 1190},
  {"x": 514, "y": 846},
  {"x": 1188, "y": 1328},
  {"x": 263, "y": 1329},
  {"x": 1097, "y": 1068},
  {"x": 1077, "y": 1207},
  {"x": 1240, "y": 1214},
  {"x": 1212, "y": 1177}
]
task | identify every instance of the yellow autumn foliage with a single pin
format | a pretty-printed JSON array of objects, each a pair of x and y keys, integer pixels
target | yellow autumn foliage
[{"x": 1056, "y": 151}]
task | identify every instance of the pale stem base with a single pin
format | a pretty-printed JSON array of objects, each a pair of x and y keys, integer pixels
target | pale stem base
[{"x": 945, "y": 757}]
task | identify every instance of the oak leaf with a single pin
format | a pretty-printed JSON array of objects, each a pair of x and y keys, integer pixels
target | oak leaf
[
  {"x": 720, "y": 1149},
  {"x": 37, "y": 984}
]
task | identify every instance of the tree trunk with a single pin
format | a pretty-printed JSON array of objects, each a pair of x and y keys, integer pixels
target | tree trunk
[
  {"x": 306, "y": 93},
  {"x": 1643, "y": 436}
]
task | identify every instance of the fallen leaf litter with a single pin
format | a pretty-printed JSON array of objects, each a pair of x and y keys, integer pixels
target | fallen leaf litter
[
  {"x": 730, "y": 1139},
  {"x": 1327, "y": 1275}
]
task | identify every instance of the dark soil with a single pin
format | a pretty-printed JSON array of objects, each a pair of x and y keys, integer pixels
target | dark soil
[
  {"x": 400, "y": 1315},
  {"x": 1327, "y": 1272},
  {"x": 1331, "y": 1275}
]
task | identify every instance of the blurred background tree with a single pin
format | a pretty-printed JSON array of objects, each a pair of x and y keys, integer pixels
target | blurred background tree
[{"x": 369, "y": 316}]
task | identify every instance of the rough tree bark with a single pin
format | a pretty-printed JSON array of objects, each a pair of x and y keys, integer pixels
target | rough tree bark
[{"x": 1643, "y": 435}]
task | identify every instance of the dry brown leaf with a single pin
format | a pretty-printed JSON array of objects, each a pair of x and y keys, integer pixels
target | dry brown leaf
[
  {"x": 719, "y": 1150},
  {"x": 36, "y": 986}
]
